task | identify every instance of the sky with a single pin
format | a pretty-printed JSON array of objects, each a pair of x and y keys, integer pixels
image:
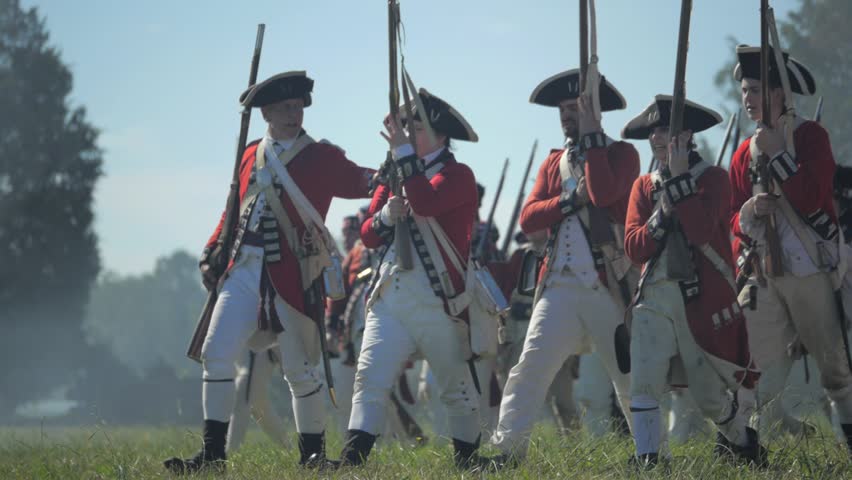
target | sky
[{"x": 161, "y": 80}]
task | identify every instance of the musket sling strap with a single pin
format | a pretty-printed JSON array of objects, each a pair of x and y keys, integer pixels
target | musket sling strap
[
  {"x": 483, "y": 310},
  {"x": 311, "y": 263}
]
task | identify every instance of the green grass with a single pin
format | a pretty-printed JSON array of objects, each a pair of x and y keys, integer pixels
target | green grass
[{"x": 136, "y": 453}]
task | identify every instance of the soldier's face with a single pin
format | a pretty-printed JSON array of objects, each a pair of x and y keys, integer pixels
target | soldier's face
[
  {"x": 660, "y": 140},
  {"x": 568, "y": 118},
  {"x": 423, "y": 144},
  {"x": 752, "y": 98},
  {"x": 285, "y": 117}
]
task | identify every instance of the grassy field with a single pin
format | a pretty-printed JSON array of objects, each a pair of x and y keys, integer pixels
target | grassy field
[{"x": 136, "y": 453}]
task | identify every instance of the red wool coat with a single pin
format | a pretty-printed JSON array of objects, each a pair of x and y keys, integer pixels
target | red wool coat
[
  {"x": 609, "y": 171},
  {"x": 450, "y": 196},
  {"x": 322, "y": 172},
  {"x": 703, "y": 219},
  {"x": 810, "y": 189}
]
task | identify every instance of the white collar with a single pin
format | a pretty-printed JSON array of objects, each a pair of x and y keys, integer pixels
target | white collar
[
  {"x": 434, "y": 169},
  {"x": 280, "y": 144}
]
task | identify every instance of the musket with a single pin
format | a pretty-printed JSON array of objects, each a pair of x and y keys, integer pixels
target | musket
[
  {"x": 402, "y": 235},
  {"x": 483, "y": 239},
  {"x": 730, "y": 128},
  {"x": 315, "y": 304},
  {"x": 818, "y": 113},
  {"x": 772, "y": 259},
  {"x": 513, "y": 220},
  {"x": 584, "y": 42},
  {"x": 232, "y": 212},
  {"x": 679, "y": 95},
  {"x": 736, "y": 143}
]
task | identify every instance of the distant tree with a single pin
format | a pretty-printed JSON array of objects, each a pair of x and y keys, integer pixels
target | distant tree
[
  {"x": 818, "y": 35},
  {"x": 49, "y": 164},
  {"x": 146, "y": 320}
]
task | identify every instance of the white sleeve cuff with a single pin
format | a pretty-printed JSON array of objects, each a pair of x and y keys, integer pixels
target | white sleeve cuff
[
  {"x": 402, "y": 151},
  {"x": 384, "y": 216}
]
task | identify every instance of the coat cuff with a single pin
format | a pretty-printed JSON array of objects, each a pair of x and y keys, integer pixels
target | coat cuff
[
  {"x": 206, "y": 253},
  {"x": 592, "y": 140},
  {"x": 658, "y": 225},
  {"x": 783, "y": 166},
  {"x": 568, "y": 203},
  {"x": 382, "y": 229},
  {"x": 680, "y": 188},
  {"x": 410, "y": 166}
]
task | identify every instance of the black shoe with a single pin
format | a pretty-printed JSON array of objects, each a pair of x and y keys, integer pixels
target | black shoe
[
  {"x": 847, "y": 432},
  {"x": 357, "y": 448},
  {"x": 753, "y": 453},
  {"x": 312, "y": 450},
  {"x": 466, "y": 457},
  {"x": 188, "y": 466},
  {"x": 646, "y": 461},
  {"x": 212, "y": 454}
]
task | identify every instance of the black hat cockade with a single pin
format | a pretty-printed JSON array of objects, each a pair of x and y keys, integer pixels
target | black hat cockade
[
  {"x": 443, "y": 118},
  {"x": 696, "y": 118},
  {"x": 566, "y": 86},
  {"x": 748, "y": 66},
  {"x": 277, "y": 88}
]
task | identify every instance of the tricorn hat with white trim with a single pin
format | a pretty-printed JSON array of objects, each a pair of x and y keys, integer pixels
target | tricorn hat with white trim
[
  {"x": 566, "y": 86},
  {"x": 696, "y": 118},
  {"x": 443, "y": 118},
  {"x": 748, "y": 66},
  {"x": 283, "y": 86}
]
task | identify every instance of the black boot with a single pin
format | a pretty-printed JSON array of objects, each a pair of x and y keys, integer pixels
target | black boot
[
  {"x": 752, "y": 453},
  {"x": 212, "y": 454},
  {"x": 357, "y": 448},
  {"x": 312, "y": 450},
  {"x": 465, "y": 455},
  {"x": 847, "y": 432}
]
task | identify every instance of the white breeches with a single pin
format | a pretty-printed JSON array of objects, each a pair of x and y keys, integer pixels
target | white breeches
[
  {"x": 234, "y": 321},
  {"x": 568, "y": 319},
  {"x": 799, "y": 309},
  {"x": 406, "y": 319}
]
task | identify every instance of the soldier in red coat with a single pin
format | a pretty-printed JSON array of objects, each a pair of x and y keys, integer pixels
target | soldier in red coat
[
  {"x": 415, "y": 311},
  {"x": 685, "y": 316},
  {"x": 796, "y": 308},
  {"x": 580, "y": 195},
  {"x": 268, "y": 294}
]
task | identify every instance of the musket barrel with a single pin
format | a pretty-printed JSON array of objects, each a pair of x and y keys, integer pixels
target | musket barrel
[
  {"x": 226, "y": 236},
  {"x": 516, "y": 212},
  {"x": 727, "y": 139}
]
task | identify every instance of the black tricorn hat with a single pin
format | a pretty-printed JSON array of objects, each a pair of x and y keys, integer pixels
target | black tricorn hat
[
  {"x": 283, "y": 86},
  {"x": 443, "y": 118},
  {"x": 566, "y": 86},
  {"x": 748, "y": 66},
  {"x": 658, "y": 114}
]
